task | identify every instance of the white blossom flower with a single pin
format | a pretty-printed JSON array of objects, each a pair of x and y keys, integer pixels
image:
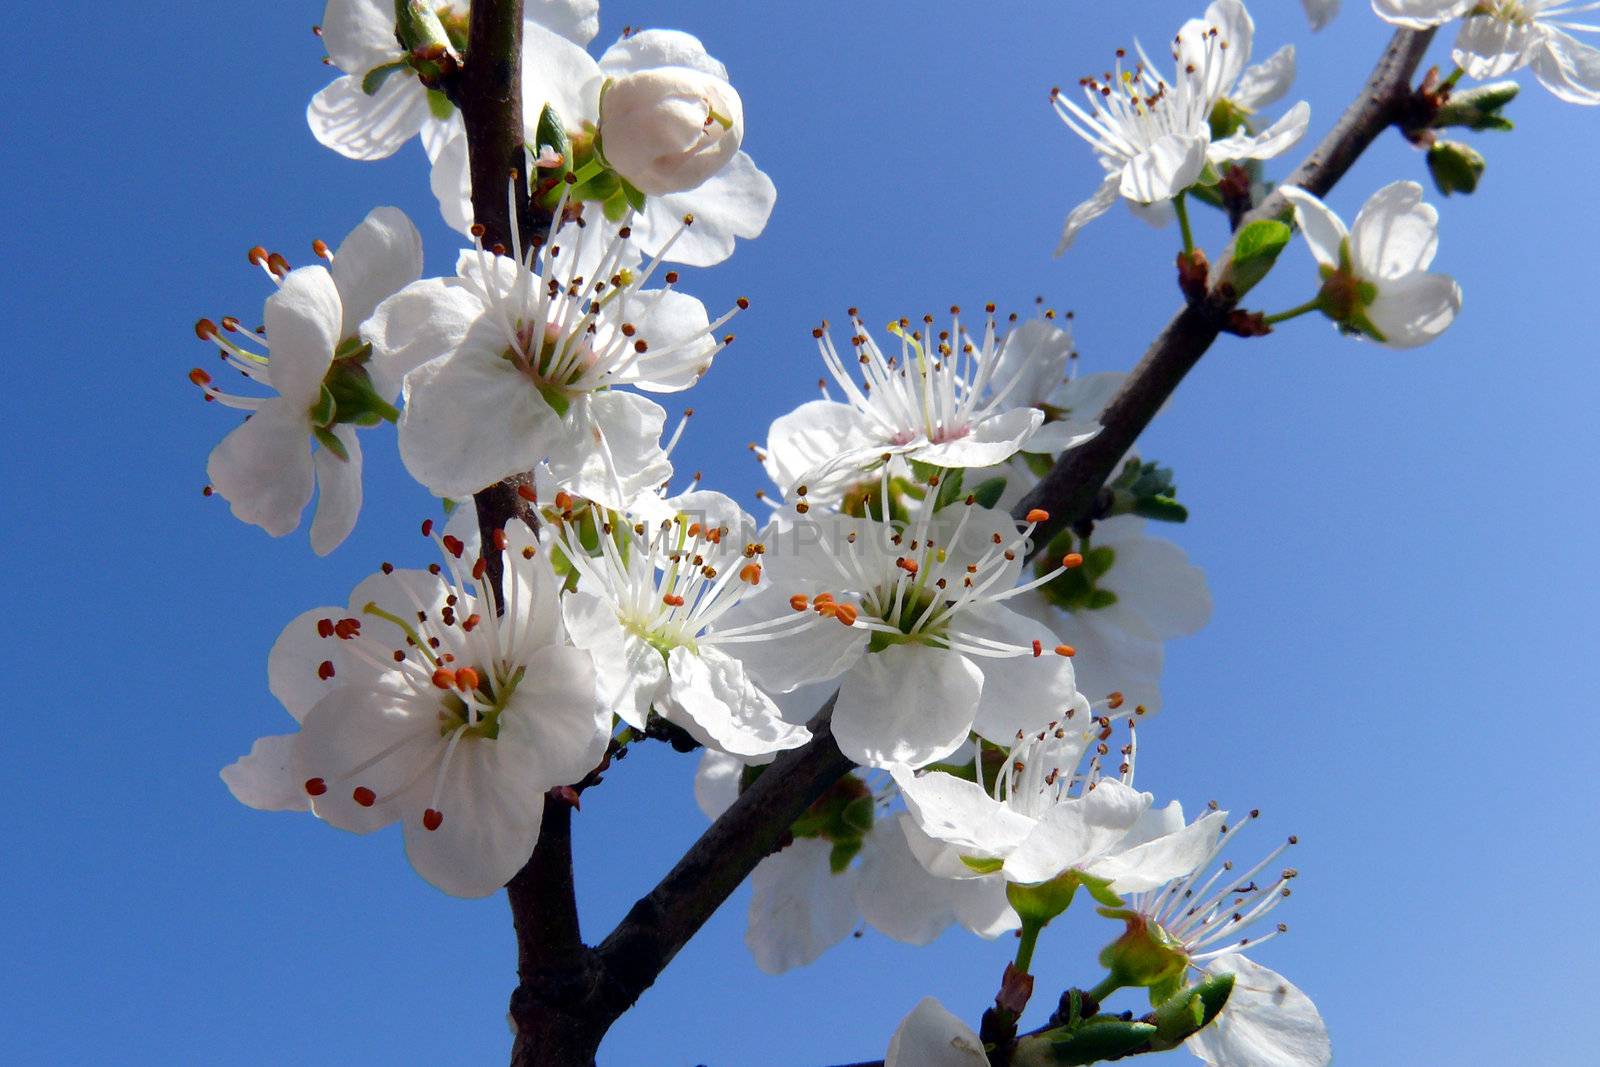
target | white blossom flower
[
  {"x": 946, "y": 399},
  {"x": 312, "y": 354},
  {"x": 1320, "y": 12},
  {"x": 1041, "y": 818},
  {"x": 422, "y": 703},
  {"x": 912, "y": 620},
  {"x": 643, "y": 606},
  {"x": 669, "y": 129},
  {"x": 805, "y": 901},
  {"x": 1154, "y": 138},
  {"x": 734, "y": 201},
  {"x": 1501, "y": 36},
  {"x": 931, "y": 1037},
  {"x": 1375, "y": 275},
  {"x": 523, "y": 357},
  {"x": 379, "y": 104},
  {"x": 1196, "y": 921}
]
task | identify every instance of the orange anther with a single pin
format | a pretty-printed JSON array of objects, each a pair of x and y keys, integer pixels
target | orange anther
[
  {"x": 1114, "y": 701},
  {"x": 526, "y": 492},
  {"x": 907, "y": 565},
  {"x": 1038, "y": 515},
  {"x": 1071, "y": 560},
  {"x": 444, "y": 678},
  {"x": 798, "y": 602},
  {"x": 563, "y": 500},
  {"x": 751, "y": 573},
  {"x": 846, "y": 614},
  {"x": 466, "y": 679},
  {"x": 205, "y": 329},
  {"x": 471, "y": 622},
  {"x": 672, "y": 600},
  {"x": 1066, "y": 650}
]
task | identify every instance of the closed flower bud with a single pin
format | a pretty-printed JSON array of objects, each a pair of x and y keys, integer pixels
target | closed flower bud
[
  {"x": 1456, "y": 168},
  {"x": 670, "y": 128}
]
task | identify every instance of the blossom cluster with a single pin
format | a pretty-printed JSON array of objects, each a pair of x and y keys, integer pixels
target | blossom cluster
[{"x": 977, "y": 660}]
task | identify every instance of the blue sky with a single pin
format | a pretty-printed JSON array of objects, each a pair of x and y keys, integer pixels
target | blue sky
[{"x": 1400, "y": 668}]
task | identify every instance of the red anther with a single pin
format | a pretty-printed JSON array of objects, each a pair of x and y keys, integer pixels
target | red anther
[
  {"x": 325, "y": 669},
  {"x": 845, "y": 613},
  {"x": 432, "y": 819},
  {"x": 479, "y": 568},
  {"x": 688, "y": 220},
  {"x": 230, "y": 323},
  {"x": 324, "y": 627},
  {"x": 345, "y": 629},
  {"x": 471, "y": 622},
  {"x": 672, "y": 277},
  {"x": 386, "y": 567},
  {"x": 316, "y": 786},
  {"x": 1066, "y": 650},
  {"x": 427, "y": 527},
  {"x": 640, "y": 345},
  {"x": 526, "y": 492},
  {"x": 1038, "y": 648},
  {"x": 320, "y": 247},
  {"x": 743, "y": 302},
  {"x": 1038, "y": 515},
  {"x": 277, "y": 264},
  {"x": 1114, "y": 701},
  {"x": 200, "y": 377},
  {"x": 453, "y": 545},
  {"x": 501, "y": 540},
  {"x": 205, "y": 329},
  {"x": 444, "y": 678},
  {"x": 798, "y": 602},
  {"x": 466, "y": 679},
  {"x": 258, "y": 255},
  {"x": 435, "y": 569},
  {"x": 476, "y": 229},
  {"x": 1071, "y": 560},
  {"x": 399, "y": 656},
  {"x": 563, "y": 500},
  {"x": 363, "y": 796},
  {"x": 672, "y": 600},
  {"x": 206, "y": 490}
]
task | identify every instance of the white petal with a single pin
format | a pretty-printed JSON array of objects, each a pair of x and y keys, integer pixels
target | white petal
[
  {"x": 1170, "y": 165},
  {"x": 1413, "y": 310},
  {"x": 631, "y": 673},
  {"x": 815, "y": 653},
  {"x": 932, "y": 1037},
  {"x": 357, "y": 725},
  {"x": 991, "y": 441},
  {"x": 1320, "y": 12},
  {"x": 1324, "y": 230},
  {"x": 1269, "y": 143},
  {"x": 555, "y": 716},
  {"x": 422, "y": 322},
  {"x": 343, "y": 117},
  {"x": 1035, "y": 355},
  {"x": 896, "y": 894},
  {"x": 492, "y": 801},
  {"x": 379, "y": 258},
  {"x": 1395, "y": 233},
  {"x": 908, "y": 704},
  {"x": 660, "y": 48},
  {"x": 1568, "y": 68},
  {"x": 359, "y": 34},
  {"x": 674, "y": 325},
  {"x": 470, "y": 420},
  {"x": 1097, "y": 204},
  {"x": 557, "y": 72},
  {"x": 1086, "y": 396},
  {"x": 263, "y": 779},
  {"x": 1266, "y": 82},
  {"x": 451, "y": 183},
  {"x": 609, "y": 448},
  {"x": 292, "y": 663},
  {"x": 1154, "y": 580},
  {"x": 576, "y": 20},
  {"x": 1267, "y": 1022},
  {"x": 961, "y": 813},
  {"x": 716, "y": 782},
  {"x": 812, "y": 434},
  {"x": 1154, "y": 863},
  {"x": 1077, "y": 831},
  {"x": 338, "y": 492},
  {"x": 711, "y": 698},
  {"x": 1490, "y": 47},
  {"x": 734, "y": 202},
  {"x": 1019, "y": 692},
  {"x": 531, "y": 595},
  {"x": 799, "y": 908},
  {"x": 263, "y": 468},
  {"x": 302, "y": 320},
  {"x": 1421, "y": 14}
]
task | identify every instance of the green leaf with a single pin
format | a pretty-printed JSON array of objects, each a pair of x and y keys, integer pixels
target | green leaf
[
  {"x": 1255, "y": 251},
  {"x": 1161, "y": 509},
  {"x": 552, "y": 133},
  {"x": 1103, "y": 1037}
]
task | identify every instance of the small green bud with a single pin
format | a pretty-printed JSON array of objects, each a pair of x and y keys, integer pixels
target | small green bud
[
  {"x": 1190, "y": 1010},
  {"x": 1255, "y": 251},
  {"x": 1101, "y": 1038},
  {"x": 551, "y": 133},
  {"x": 1144, "y": 955},
  {"x": 1478, "y": 108},
  {"x": 1456, "y": 168}
]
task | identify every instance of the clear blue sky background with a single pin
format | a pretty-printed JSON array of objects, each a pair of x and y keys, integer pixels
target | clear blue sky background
[{"x": 1401, "y": 668}]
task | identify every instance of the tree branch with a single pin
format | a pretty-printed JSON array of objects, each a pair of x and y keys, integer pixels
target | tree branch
[{"x": 670, "y": 914}]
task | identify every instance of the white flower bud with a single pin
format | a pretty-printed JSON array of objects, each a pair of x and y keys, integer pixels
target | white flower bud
[{"x": 670, "y": 128}]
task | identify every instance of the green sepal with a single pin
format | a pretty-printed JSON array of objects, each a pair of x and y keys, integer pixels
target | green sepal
[
  {"x": 559, "y": 401},
  {"x": 1101, "y": 1038},
  {"x": 327, "y": 439},
  {"x": 359, "y": 403},
  {"x": 842, "y": 853},
  {"x": 1227, "y": 118},
  {"x": 987, "y": 492},
  {"x": 1455, "y": 167},
  {"x": 417, "y": 24},
  {"x": 1161, "y": 509},
  {"x": 949, "y": 488},
  {"x": 326, "y": 410},
  {"x": 859, "y": 813},
  {"x": 1188, "y": 1011},
  {"x": 1143, "y": 955},
  {"x": 633, "y": 195},
  {"x": 1478, "y": 108},
  {"x": 1040, "y": 902},
  {"x": 983, "y": 864},
  {"x": 439, "y": 105},
  {"x": 1208, "y": 175},
  {"x": 373, "y": 80},
  {"x": 551, "y": 133},
  {"x": 615, "y": 206},
  {"x": 1255, "y": 252}
]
